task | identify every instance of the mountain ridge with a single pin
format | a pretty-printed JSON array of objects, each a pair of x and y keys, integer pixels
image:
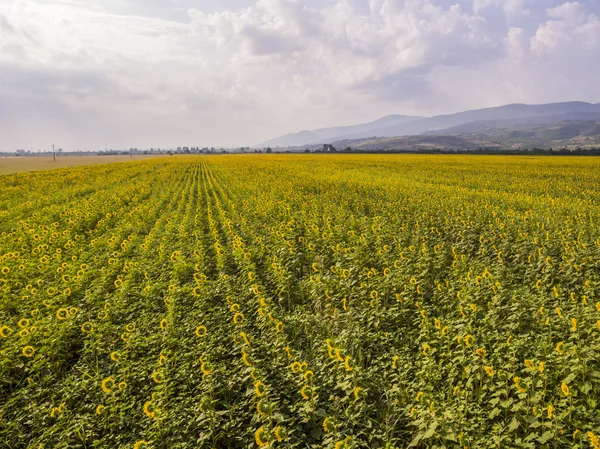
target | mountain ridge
[{"x": 412, "y": 125}]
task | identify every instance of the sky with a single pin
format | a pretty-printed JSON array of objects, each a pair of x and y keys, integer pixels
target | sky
[{"x": 165, "y": 73}]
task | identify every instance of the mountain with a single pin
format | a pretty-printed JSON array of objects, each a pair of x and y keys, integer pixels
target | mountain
[
  {"x": 472, "y": 120},
  {"x": 326, "y": 134},
  {"x": 569, "y": 133},
  {"x": 486, "y": 125}
]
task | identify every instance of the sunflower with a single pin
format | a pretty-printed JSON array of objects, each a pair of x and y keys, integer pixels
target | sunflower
[
  {"x": 260, "y": 388},
  {"x": 245, "y": 359},
  {"x": 115, "y": 356},
  {"x": 163, "y": 324},
  {"x": 262, "y": 408},
  {"x": 5, "y": 331},
  {"x": 72, "y": 311},
  {"x": 279, "y": 326},
  {"x": 530, "y": 365},
  {"x": 565, "y": 389},
  {"x": 309, "y": 375},
  {"x": 149, "y": 410},
  {"x": 489, "y": 370},
  {"x": 306, "y": 392},
  {"x": 347, "y": 363},
  {"x": 280, "y": 433},
  {"x": 550, "y": 411},
  {"x": 157, "y": 377},
  {"x": 238, "y": 318},
  {"x": 520, "y": 388},
  {"x": 357, "y": 392},
  {"x": 99, "y": 409},
  {"x": 426, "y": 349},
  {"x": 201, "y": 331},
  {"x": 469, "y": 340},
  {"x": 329, "y": 425},
  {"x": 28, "y": 351},
  {"x": 23, "y": 323},
  {"x": 62, "y": 313},
  {"x": 87, "y": 327},
  {"x": 559, "y": 347},
  {"x": 262, "y": 437},
  {"x": 141, "y": 444},
  {"x": 108, "y": 384}
]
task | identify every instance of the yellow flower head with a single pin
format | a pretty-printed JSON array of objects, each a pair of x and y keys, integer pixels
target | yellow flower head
[
  {"x": 99, "y": 409},
  {"x": 115, "y": 356},
  {"x": 329, "y": 425},
  {"x": 565, "y": 389},
  {"x": 559, "y": 347},
  {"x": 87, "y": 327},
  {"x": 262, "y": 408},
  {"x": 309, "y": 375},
  {"x": 469, "y": 340},
  {"x": 295, "y": 366},
  {"x": 306, "y": 392},
  {"x": 205, "y": 368},
  {"x": 530, "y": 365},
  {"x": 245, "y": 359},
  {"x": 280, "y": 433},
  {"x": 437, "y": 323},
  {"x": 28, "y": 351},
  {"x": 279, "y": 326},
  {"x": 164, "y": 324},
  {"x": 542, "y": 367},
  {"x": 426, "y": 349},
  {"x": 357, "y": 392},
  {"x": 62, "y": 313},
  {"x": 238, "y": 318},
  {"x": 347, "y": 363},
  {"x": 395, "y": 361},
  {"x": 5, "y": 331},
  {"x": 419, "y": 396},
  {"x": 550, "y": 411},
  {"x": 149, "y": 410},
  {"x": 489, "y": 370},
  {"x": 261, "y": 436},
  {"x": 520, "y": 388},
  {"x": 480, "y": 352},
  {"x": 141, "y": 444},
  {"x": 108, "y": 384},
  {"x": 23, "y": 323},
  {"x": 201, "y": 331},
  {"x": 157, "y": 377},
  {"x": 573, "y": 324},
  {"x": 260, "y": 388},
  {"x": 594, "y": 441}
]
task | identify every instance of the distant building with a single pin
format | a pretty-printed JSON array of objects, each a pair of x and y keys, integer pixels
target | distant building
[{"x": 20, "y": 151}]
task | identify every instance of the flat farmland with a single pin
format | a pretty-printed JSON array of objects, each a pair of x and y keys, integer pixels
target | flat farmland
[
  {"x": 35, "y": 163},
  {"x": 302, "y": 301}
]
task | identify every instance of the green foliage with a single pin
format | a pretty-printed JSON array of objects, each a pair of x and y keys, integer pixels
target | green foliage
[{"x": 302, "y": 301}]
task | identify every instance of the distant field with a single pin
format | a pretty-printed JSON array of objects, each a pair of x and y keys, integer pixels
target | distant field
[{"x": 35, "y": 163}]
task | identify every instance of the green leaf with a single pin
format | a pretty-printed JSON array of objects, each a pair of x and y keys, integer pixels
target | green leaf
[{"x": 514, "y": 424}]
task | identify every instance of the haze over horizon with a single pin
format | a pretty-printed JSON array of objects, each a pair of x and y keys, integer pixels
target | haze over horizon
[{"x": 155, "y": 73}]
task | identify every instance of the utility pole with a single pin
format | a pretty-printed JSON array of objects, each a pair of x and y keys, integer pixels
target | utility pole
[{"x": 53, "y": 153}]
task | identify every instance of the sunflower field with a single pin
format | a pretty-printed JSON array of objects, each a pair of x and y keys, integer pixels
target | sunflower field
[{"x": 302, "y": 301}]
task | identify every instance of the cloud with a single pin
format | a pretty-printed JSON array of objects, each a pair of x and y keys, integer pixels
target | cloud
[{"x": 239, "y": 71}]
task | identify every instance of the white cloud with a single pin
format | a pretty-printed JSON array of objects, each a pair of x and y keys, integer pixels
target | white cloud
[{"x": 240, "y": 71}]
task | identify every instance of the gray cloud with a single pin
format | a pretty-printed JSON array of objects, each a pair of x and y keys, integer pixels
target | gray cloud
[{"x": 153, "y": 73}]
